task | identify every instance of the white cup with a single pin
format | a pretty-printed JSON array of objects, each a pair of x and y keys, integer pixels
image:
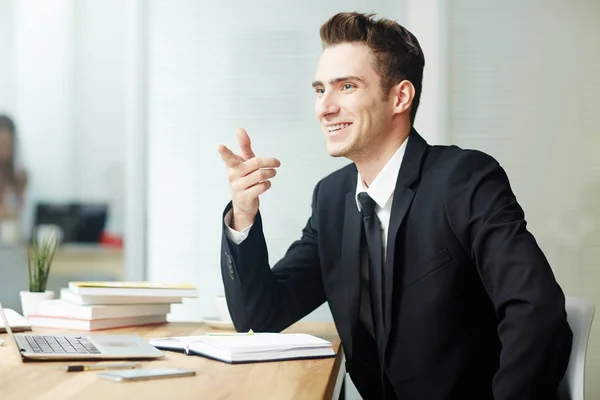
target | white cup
[
  {"x": 45, "y": 231},
  {"x": 9, "y": 231},
  {"x": 222, "y": 309}
]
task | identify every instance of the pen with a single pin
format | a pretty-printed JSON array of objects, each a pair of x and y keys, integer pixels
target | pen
[
  {"x": 250, "y": 332},
  {"x": 96, "y": 367}
]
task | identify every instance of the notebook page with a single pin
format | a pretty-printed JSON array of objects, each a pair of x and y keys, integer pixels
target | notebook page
[{"x": 263, "y": 342}]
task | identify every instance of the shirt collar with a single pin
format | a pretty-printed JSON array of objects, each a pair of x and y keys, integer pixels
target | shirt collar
[{"x": 384, "y": 184}]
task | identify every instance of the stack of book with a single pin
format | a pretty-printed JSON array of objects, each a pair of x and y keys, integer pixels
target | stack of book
[{"x": 89, "y": 306}]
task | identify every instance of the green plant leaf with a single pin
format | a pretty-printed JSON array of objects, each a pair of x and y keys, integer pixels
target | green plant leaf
[{"x": 40, "y": 258}]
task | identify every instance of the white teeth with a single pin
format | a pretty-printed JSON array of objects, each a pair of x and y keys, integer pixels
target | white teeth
[{"x": 337, "y": 127}]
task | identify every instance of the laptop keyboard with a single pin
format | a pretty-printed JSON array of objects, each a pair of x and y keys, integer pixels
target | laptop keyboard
[{"x": 61, "y": 344}]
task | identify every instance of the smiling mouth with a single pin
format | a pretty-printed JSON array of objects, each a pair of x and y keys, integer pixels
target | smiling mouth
[{"x": 333, "y": 129}]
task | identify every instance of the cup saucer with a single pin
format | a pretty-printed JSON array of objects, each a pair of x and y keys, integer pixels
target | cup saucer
[{"x": 217, "y": 323}]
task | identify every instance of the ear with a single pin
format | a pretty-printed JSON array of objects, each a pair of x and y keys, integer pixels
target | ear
[{"x": 403, "y": 94}]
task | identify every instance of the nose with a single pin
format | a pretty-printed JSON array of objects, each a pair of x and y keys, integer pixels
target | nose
[{"x": 326, "y": 105}]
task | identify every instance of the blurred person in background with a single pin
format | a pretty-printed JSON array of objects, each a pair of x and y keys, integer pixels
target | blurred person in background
[{"x": 13, "y": 182}]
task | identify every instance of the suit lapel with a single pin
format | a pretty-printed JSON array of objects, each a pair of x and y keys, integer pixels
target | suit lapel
[
  {"x": 410, "y": 171},
  {"x": 351, "y": 260}
]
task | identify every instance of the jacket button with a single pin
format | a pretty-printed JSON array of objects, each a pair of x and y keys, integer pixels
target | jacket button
[{"x": 230, "y": 265}]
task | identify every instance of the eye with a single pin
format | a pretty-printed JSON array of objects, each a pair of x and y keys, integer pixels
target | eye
[
  {"x": 319, "y": 90},
  {"x": 347, "y": 86}
]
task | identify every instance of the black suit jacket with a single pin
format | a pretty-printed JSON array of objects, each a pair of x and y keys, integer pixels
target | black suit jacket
[{"x": 472, "y": 306}]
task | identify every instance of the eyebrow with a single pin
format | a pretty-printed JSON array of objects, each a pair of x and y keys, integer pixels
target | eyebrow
[{"x": 340, "y": 79}]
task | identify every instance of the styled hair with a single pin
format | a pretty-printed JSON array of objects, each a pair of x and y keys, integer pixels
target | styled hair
[{"x": 398, "y": 55}]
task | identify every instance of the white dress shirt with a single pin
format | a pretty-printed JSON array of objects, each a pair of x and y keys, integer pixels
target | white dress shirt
[
  {"x": 233, "y": 235},
  {"x": 381, "y": 191}
]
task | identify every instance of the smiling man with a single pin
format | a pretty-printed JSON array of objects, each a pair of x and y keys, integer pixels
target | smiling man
[{"x": 436, "y": 287}]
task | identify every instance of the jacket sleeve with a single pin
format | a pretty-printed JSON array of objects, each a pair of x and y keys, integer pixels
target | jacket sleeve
[
  {"x": 529, "y": 304},
  {"x": 265, "y": 299}
]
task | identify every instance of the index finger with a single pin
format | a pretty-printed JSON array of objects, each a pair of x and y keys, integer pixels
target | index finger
[{"x": 245, "y": 143}]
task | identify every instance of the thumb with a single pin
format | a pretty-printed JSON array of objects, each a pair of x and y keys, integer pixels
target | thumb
[{"x": 245, "y": 144}]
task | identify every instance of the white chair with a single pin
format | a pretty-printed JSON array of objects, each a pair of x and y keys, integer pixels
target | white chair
[{"x": 580, "y": 313}]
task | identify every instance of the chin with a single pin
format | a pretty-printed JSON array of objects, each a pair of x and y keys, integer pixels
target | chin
[
  {"x": 335, "y": 150},
  {"x": 340, "y": 145}
]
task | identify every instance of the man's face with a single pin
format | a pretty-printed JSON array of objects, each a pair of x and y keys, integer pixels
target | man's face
[
  {"x": 5, "y": 145},
  {"x": 349, "y": 103}
]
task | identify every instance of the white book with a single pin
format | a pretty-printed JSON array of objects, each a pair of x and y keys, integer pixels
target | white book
[
  {"x": 17, "y": 322},
  {"x": 91, "y": 299},
  {"x": 125, "y": 288},
  {"x": 253, "y": 347},
  {"x": 63, "y": 308},
  {"x": 93, "y": 325}
]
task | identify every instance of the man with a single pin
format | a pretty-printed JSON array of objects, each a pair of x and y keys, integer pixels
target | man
[{"x": 437, "y": 289}]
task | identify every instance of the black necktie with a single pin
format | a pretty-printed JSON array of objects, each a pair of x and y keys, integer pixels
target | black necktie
[{"x": 373, "y": 235}]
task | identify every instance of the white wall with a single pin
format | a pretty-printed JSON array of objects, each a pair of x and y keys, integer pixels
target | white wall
[
  {"x": 99, "y": 103},
  {"x": 525, "y": 88},
  {"x": 7, "y": 55},
  {"x": 43, "y": 89},
  {"x": 63, "y": 68},
  {"x": 428, "y": 21}
]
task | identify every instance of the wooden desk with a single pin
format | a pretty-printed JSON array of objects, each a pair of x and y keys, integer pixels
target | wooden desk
[{"x": 298, "y": 379}]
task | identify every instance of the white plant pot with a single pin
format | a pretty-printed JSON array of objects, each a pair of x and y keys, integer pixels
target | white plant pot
[{"x": 30, "y": 300}]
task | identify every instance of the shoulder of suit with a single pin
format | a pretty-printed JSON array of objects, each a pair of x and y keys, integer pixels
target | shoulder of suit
[
  {"x": 439, "y": 157},
  {"x": 450, "y": 157}
]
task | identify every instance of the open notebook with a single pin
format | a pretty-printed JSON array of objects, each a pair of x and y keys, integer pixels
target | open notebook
[{"x": 244, "y": 348}]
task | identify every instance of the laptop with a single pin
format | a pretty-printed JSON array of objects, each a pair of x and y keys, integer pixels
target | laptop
[{"x": 80, "y": 347}]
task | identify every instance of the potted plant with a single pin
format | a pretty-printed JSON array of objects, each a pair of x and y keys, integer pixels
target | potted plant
[{"x": 45, "y": 242}]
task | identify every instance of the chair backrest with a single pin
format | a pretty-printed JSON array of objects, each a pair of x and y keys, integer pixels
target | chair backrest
[
  {"x": 79, "y": 222},
  {"x": 580, "y": 313}
]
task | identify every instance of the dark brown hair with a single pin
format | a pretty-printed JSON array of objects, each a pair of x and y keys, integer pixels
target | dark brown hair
[
  {"x": 398, "y": 55},
  {"x": 7, "y": 124}
]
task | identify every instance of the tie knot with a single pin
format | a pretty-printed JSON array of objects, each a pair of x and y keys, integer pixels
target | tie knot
[{"x": 367, "y": 204}]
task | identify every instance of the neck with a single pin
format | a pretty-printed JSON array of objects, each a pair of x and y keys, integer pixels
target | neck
[{"x": 372, "y": 162}]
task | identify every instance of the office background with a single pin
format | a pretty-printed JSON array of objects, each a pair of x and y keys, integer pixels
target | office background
[{"x": 124, "y": 102}]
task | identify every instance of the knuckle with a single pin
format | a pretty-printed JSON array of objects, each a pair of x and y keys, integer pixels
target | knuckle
[{"x": 246, "y": 167}]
